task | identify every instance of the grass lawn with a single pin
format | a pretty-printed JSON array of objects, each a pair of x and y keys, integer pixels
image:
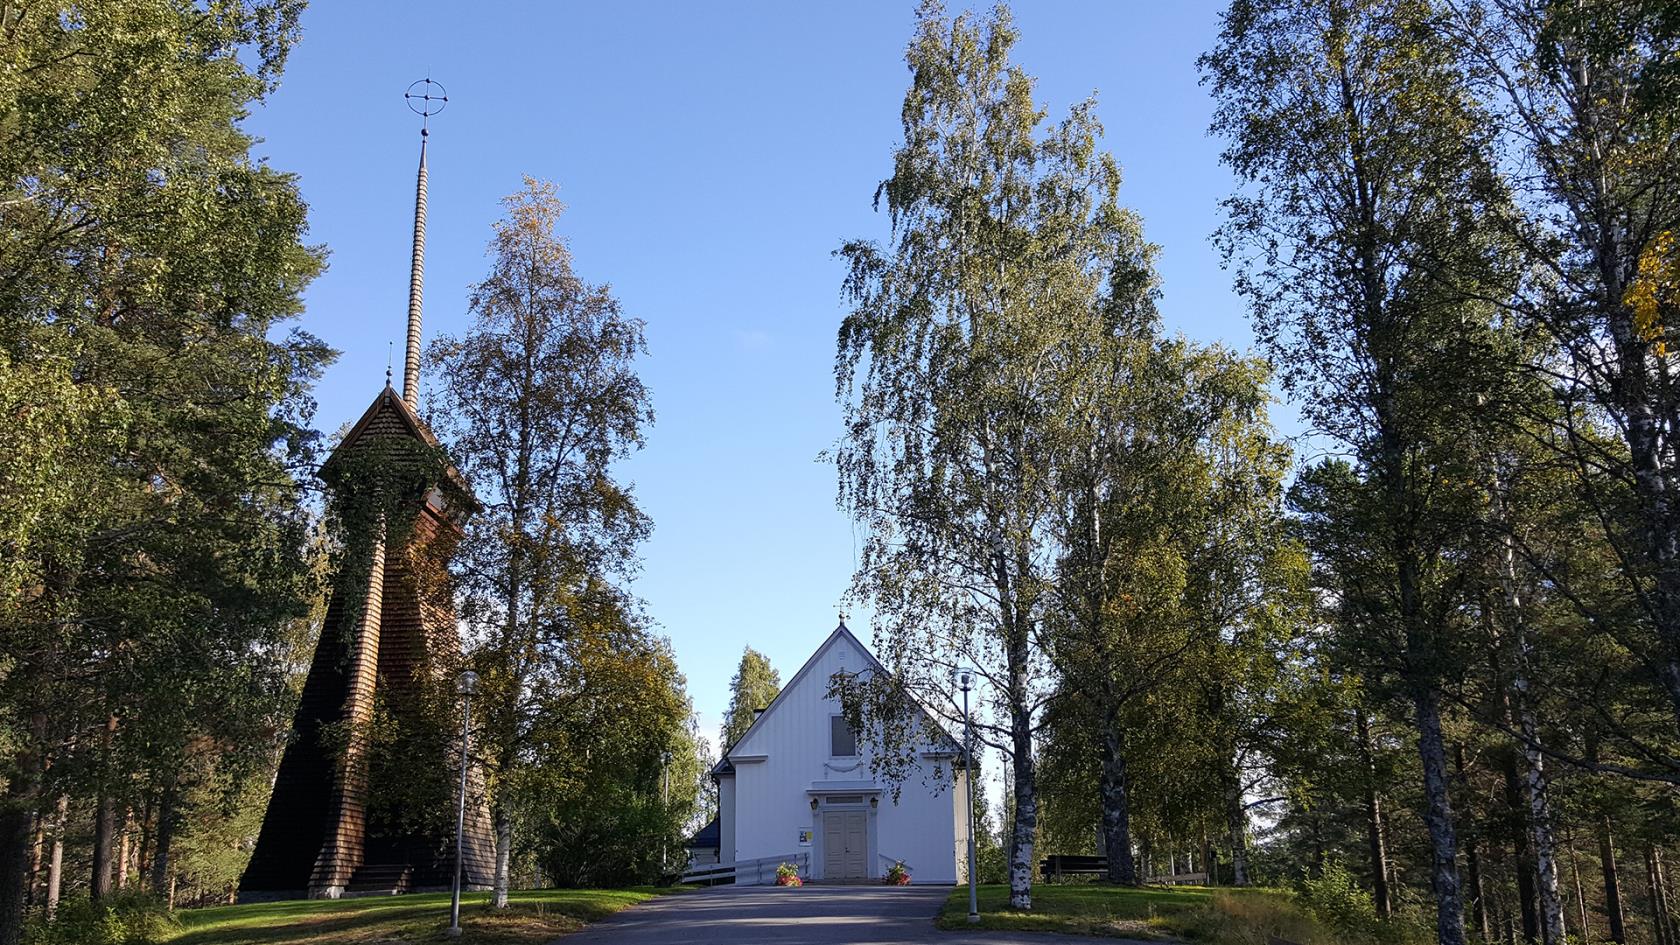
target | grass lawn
[
  {"x": 535, "y": 916},
  {"x": 1196, "y": 913}
]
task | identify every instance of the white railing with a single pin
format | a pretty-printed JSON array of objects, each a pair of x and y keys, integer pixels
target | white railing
[
  {"x": 888, "y": 862},
  {"x": 759, "y": 872}
]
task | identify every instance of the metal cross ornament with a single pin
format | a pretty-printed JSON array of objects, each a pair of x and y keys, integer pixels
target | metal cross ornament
[{"x": 426, "y": 98}]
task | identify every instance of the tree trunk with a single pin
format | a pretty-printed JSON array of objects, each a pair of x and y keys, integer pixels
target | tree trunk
[
  {"x": 1534, "y": 770},
  {"x": 504, "y": 855},
  {"x": 1236, "y": 823},
  {"x": 1580, "y": 891},
  {"x": 1472, "y": 852},
  {"x": 104, "y": 847},
  {"x": 1438, "y": 815},
  {"x": 1116, "y": 809},
  {"x": 37, "y": 849},
  {"x": 1373, "y": 819},
  {"x": 1661, "y": 920},
  {"x": 1612, "y": 888},
  {"x": 1524, "y": 856},
  {"x": 163, "y": 835},
  {"x": 124, "y": 847},
  {"x": 18, "y": 807},
  {"x": 1026, "y": 816},
  {"x": 55, "y": 859},
  {"x": 14, "y": 865}
]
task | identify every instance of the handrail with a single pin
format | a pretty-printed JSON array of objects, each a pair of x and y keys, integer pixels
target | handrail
[{"x": 749, "y": 872}]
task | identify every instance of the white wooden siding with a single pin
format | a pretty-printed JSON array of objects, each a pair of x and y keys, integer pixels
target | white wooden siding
[{"x": 785, "y": 759}]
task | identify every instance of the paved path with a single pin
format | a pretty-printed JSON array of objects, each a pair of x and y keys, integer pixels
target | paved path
[{"x": 810, "y": 915}]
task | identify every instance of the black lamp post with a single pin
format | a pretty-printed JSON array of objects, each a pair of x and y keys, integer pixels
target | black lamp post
[{"x": 465, "y": 685}]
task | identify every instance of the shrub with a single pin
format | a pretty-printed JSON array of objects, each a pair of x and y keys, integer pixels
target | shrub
[
  {"x": 1341, "y": 903},
  {"x": 788, "y": 875},
  {"x": 897, "y": 875},
  {"x": 122, "y": 919}
]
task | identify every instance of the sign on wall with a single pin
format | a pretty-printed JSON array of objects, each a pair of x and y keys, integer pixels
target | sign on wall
[{"x": 805, "y": 838}]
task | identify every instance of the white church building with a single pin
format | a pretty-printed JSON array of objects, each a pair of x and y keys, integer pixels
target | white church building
[{"x": 799, "y": 782}]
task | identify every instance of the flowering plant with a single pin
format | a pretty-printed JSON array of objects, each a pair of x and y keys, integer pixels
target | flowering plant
[
  {"x": 897, "y": 874},
  {"x": 788, "y": 875}
]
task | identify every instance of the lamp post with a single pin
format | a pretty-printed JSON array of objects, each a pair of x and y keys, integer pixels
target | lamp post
[
  {"x": 465, "y": 685},
  {"x": 965, "y": 681},
  {"x": 664, "y": 804}
]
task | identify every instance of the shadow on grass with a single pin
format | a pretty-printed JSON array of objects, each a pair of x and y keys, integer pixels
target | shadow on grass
[{"x": 536, "y": 915}]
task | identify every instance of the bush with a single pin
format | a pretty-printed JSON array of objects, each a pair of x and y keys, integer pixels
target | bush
[
  {"x": 897, "y": 875},
  {"x": 122, "y": 919},
  {"x": 788, "y": 875},
  {"x": 991, "y": 864},
  {"x": 1341, "y": 902}
]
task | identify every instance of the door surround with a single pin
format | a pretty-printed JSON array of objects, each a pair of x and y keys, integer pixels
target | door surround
[{"x": 838, "y": 803}]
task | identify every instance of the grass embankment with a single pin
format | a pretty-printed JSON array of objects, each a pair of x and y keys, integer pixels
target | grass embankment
[
  {"x": 1193, "y": 913},
  {"x": 535, "y": 916}
]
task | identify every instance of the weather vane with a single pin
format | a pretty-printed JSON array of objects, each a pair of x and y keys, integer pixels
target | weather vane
[{"x": 426, "y": 98}]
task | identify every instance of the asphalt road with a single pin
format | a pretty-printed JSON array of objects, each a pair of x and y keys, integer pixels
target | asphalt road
[{"x": 809, "y": 915}]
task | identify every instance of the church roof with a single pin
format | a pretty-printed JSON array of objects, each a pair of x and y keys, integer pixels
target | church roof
[{"x": 390, "y": 414}]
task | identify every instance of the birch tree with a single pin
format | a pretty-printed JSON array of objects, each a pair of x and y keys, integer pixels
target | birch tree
[
  {"x": 538, "y": 400},
  {"x": 1359, "y": 243},
  {"x": 955, "y": 374}
]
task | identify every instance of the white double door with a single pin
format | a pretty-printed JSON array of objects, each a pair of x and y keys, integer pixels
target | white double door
[{"x": 845, "y": 844}]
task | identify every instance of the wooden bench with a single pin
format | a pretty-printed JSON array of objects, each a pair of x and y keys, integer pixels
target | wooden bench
[
  {"x": 1058, "y": 865},
  {"x": 1067, "y": 865}
]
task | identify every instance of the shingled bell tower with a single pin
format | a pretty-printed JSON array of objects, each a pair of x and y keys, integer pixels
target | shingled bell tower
[{"x": 389, "y": 642}]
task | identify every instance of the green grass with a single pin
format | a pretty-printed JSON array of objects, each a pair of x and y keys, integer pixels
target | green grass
[
  {"x": 1194, "y": 913},
  {"x": 535, "y": 916}
]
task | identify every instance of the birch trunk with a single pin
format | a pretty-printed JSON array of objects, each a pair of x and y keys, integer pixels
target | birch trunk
[
  {"x": 1117, "y": 810},
  {"x": 1443, "y": 838},
  {"x": 1524, "y": 855},
  {"x": 504, "y": 855},
  {"x": 1534, "y": 772},
  {"x": 1026, "y": 817}
]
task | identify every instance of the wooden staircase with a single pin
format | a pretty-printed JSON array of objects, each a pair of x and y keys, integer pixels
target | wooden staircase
[{"x": 380, "y": 879}]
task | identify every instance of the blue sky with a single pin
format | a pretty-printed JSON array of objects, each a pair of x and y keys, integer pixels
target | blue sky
[{"x": 712, "y": 157}]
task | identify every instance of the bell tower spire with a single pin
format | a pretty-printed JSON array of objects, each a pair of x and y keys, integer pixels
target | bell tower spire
[{"x": 425, "y": 98}]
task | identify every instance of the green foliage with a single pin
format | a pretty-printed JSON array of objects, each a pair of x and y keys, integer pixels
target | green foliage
[
  {"x": 1340, "y": 901},
  {"x": 539, "y": 400},
  {"x": 753, "y": 687},
  {"x": 599, "y": 809},
  {"x": 960, "y": 369},
  {"x": 155, "y": 534},
  {"x": 124, "y": 919}
]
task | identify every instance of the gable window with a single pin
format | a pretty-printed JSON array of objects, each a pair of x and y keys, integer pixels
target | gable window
[{"x": 842, "y": 743}]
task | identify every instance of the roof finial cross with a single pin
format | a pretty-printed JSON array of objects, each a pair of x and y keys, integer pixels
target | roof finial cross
[{"x": 426, "y": 98}]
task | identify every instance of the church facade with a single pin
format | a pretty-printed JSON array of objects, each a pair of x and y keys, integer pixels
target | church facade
[{"x": 799, "y": 782}]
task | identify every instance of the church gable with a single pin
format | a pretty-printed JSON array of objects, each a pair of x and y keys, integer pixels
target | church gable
[{"x": 803, "y": 708}]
